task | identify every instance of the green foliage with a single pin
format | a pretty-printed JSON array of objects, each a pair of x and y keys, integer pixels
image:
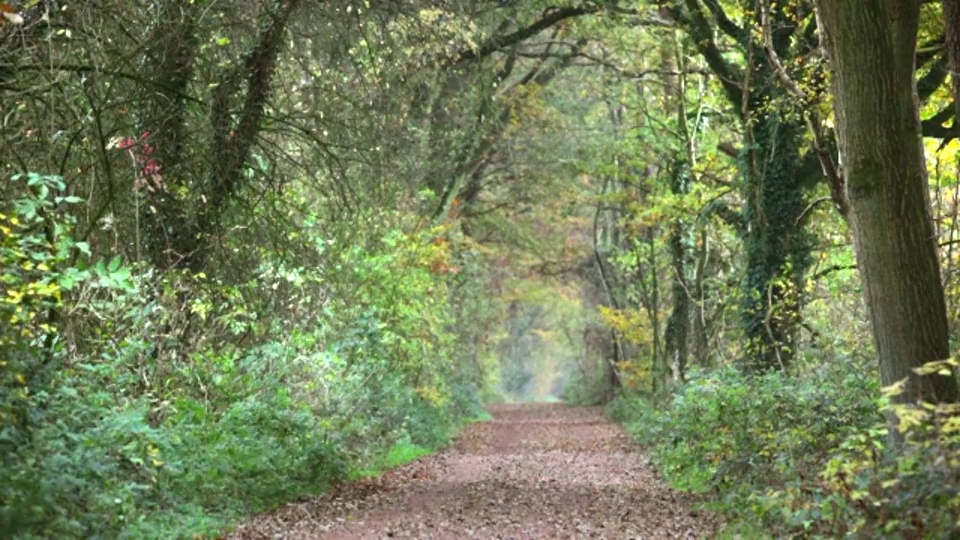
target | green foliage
[
  {"x": 293, "y": 274},
  {"x": 807, "y": 457},
  {"x": 900, "y": 480},
  {"x": 170, "y": 404},
  {"x": 400, "y": 453},
  {"x": 769, "y": 436},
  {"x": 33, "y": 248},
  {"x": 591, "y": 390}
]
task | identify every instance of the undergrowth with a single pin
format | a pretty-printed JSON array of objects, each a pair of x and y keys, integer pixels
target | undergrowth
[
  {"x": 144, "y": 404},
  {"x": 805, "y": 457}
]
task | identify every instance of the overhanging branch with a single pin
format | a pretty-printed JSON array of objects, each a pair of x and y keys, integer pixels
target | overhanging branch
[
  {"x": 550, "y": 18},
  {"x": 933, "y": 126}
]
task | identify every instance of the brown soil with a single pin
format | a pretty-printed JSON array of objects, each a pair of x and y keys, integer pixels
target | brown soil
[{"x": 534, "y": 471}]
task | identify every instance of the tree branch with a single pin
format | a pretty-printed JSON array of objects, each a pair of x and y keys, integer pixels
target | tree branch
[
  {"x": 551, "y": 17},
  {"x": 820, "y": 146},
  {"x": 738, "y": 33},
  {"x": 934, "y": 78},
  {"x": 933, "y": 126},
  {"x": 702, "y": 35},
  {"x": 830, "y": 270}
]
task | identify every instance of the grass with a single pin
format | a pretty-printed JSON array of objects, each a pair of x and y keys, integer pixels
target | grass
[
  {"x": 399, "y": 454},
  {"x": 404, "y": 452},
  {"x": 484, "y": 416}
]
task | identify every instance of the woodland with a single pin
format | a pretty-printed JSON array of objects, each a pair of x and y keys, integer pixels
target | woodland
[{"x": 253, "y": 250}]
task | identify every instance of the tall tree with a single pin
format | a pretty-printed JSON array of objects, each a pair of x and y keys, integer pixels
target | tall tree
[
  {"x": 680, "y": 242},
  {"x": 886, "y": 186},
  {"x": 774, "y": 172},
  {"x": 170, "y": 55},
  {"x": 951, "y": 26}
]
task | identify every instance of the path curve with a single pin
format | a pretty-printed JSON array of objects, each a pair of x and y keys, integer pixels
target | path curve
[{"x": 534, "y": 471}]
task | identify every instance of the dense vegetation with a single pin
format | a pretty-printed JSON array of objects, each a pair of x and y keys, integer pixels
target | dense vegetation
[{"x": 250, "y": 250}]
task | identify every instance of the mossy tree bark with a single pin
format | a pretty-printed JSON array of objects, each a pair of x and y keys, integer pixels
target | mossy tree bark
[
  {"x": 169, "y": 234},
  {"x": 776, "y": 247}
]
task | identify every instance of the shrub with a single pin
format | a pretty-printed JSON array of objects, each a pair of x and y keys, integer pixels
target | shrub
[
  {"x": 752, "y": 442},
  {"x": 141, "y": 404},
  {"x": 899, "y": 481},
  {"x": 808, "y": 456}
]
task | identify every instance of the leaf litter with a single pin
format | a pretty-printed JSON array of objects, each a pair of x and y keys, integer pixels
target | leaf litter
[{"x": 533, "y": 471}]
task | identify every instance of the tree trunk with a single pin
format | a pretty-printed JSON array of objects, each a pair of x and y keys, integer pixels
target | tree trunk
[
  {"x": 886, "y": 183},
  {"x": 701, "y": 353},
  {"x": 951, "y": 27},
  {"x": 653, "y": 308},
  {"x": 235, "y": 130},
  {"x": 776, "y": 246},
  {"x": 676, "y": 335},
  {"x": 169, "y": 234},
  {"x": 678, "y": 323}
]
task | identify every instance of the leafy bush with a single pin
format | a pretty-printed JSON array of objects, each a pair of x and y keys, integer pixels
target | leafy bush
[
  {"x": 808, "y": 456},
  {"x": 753, "y": 442},
  {"x": 141, "y": 404},
  {"x": 637, "y": 414},
  {"x": 901, "y": 481},
  {"x": 585, "y": 391}
]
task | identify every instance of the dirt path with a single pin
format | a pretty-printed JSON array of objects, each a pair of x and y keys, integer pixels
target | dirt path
[{"x": 534, "y": 471}]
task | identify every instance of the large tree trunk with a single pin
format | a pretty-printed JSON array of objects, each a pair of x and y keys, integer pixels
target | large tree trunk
[
  {"x": 886, "y": 182},
  {"x": 951, "y": 26}
]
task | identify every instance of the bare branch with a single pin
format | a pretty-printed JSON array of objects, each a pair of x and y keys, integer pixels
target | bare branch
[
  {"x": 820, "y": 146},
  {"x": 550, "y": 18}
]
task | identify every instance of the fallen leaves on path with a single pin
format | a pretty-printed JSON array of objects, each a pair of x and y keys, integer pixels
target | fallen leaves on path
[{"x": 534, "y": 471}]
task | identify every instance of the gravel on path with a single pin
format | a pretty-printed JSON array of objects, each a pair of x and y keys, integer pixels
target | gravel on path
[{"x": 533, "y": 471}]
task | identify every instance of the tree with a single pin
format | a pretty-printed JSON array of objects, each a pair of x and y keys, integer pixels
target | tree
[
  {"x": 951, "y": 24},
  {"x": 886, "y": 185},
  {"x": 775, "y": 173},
  {"x": 680, "y": 242}
]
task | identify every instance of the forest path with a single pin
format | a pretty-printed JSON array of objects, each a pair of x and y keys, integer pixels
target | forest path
[{"x": 533, "y": 471}]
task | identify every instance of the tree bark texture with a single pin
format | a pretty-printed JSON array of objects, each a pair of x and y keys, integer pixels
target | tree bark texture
[
  {"x": 776, "y": 246},
  {"x": 677, "y": 333},
  {"x": 951, "y": 28},
  {"x": 886, "y": 181}
]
